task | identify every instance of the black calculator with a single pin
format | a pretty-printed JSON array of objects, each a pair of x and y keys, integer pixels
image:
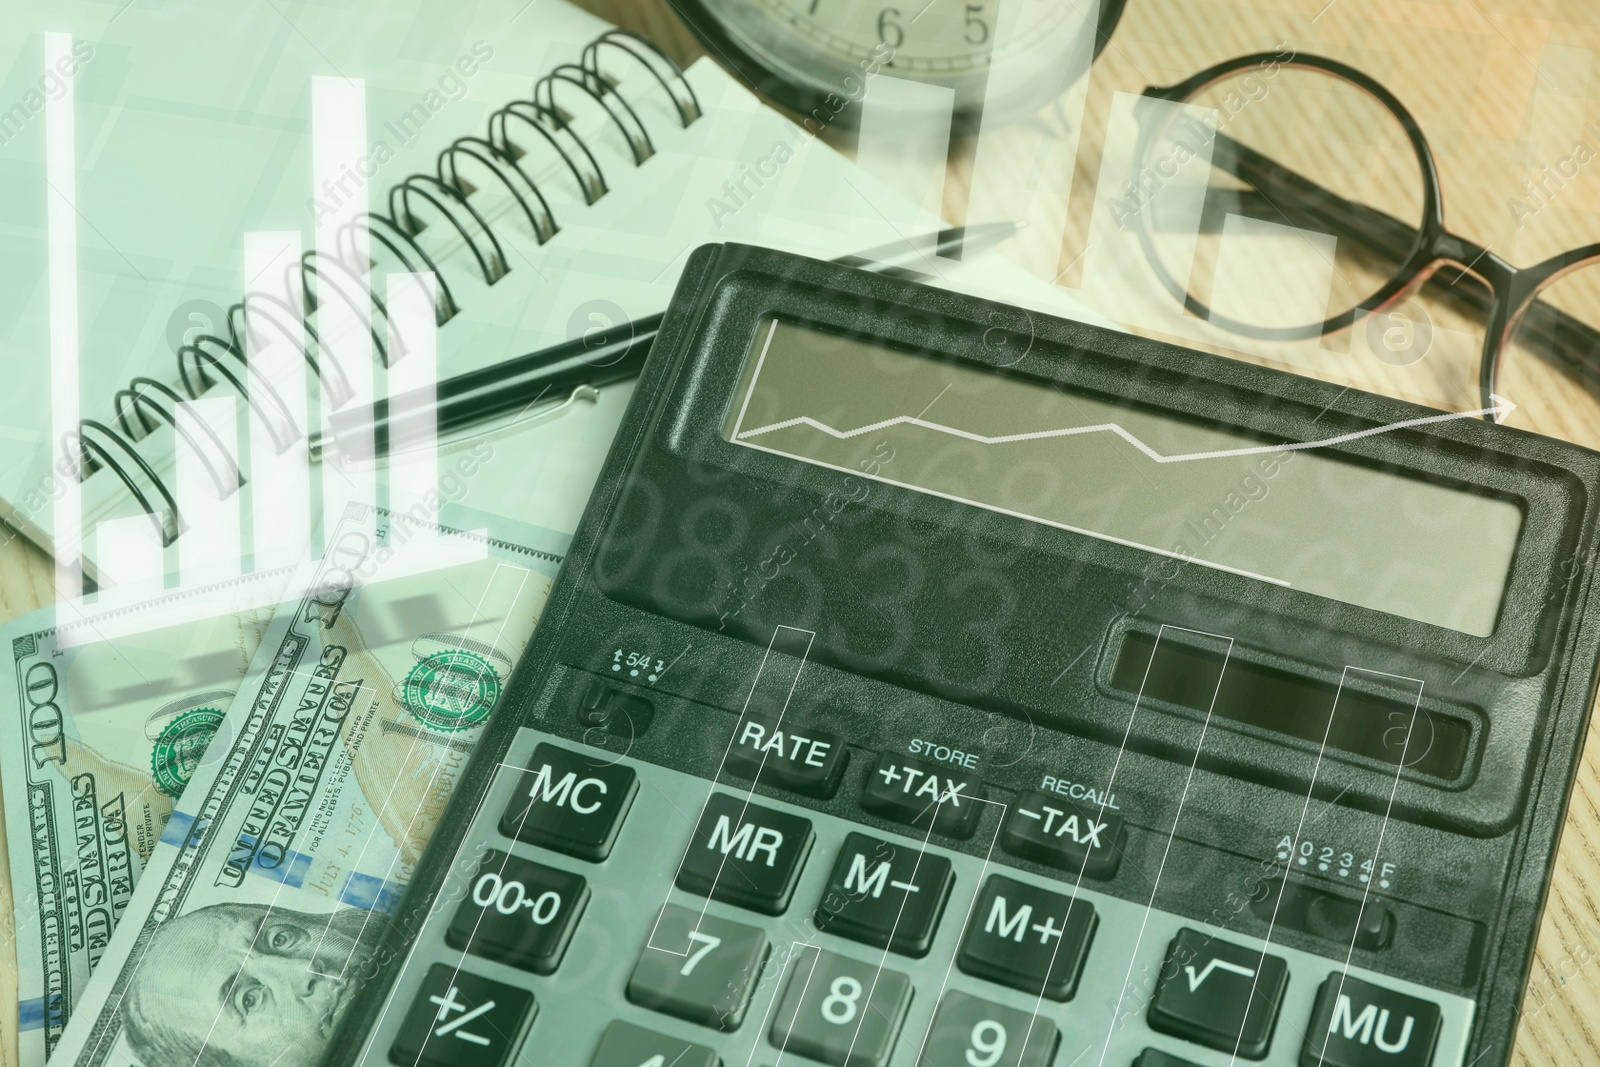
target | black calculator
[{"x": 932, "y": 683}]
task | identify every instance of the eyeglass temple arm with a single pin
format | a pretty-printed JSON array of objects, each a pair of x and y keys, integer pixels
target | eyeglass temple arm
[{"x": 1283, "y": 194}]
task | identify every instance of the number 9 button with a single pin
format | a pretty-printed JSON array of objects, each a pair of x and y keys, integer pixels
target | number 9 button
[{"x": 519, "y": 912}]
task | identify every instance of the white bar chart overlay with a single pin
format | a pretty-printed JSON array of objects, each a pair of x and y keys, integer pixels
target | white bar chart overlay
[
  {"x": 208, "y": 488},
  {"x": 344, "y": 286},
  {"x": 280, "y": 466},
  {"x": 413, "y": 382},
  {"x": 128, "y": 554},
  {"x": 61, "y": 172},
  {"x": 905, "y": 139}
]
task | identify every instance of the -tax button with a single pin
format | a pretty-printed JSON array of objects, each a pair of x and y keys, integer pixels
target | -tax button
[
  {"x": 570, "y": 803},
  {"x": 924, "y": 795},
  {"x": 1069, "y": 837},
  {"x": 1358, "y": 1024}
]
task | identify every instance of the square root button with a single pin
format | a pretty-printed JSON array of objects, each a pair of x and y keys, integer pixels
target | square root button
[
  {"x": 1358, "y": 1024},
  {"x": 1219, "y": 994}
]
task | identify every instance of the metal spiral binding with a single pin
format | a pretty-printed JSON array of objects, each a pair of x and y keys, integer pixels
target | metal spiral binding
[{"x": 146, "y": 403}]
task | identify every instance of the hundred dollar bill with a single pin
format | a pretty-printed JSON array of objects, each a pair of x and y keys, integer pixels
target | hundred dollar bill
[
  {"x": 97, "y": 739},
  {"x": 8, "y": 959},
  {"x": 257, "y": 913}
]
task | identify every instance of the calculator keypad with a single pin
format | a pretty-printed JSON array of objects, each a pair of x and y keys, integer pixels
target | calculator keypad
[
  {"x": 968, "y": 1030},
  {"x": 1071, "y": 837},
  {"x": 924, "y": 795},
  {"x": 1359, "y": 1024},
  {"x": 1028, "y": 938},
  {"x": 626, "y": 1045},
  {"x": 461, "y": 1020},
  {"x": 712, "y": 927}
]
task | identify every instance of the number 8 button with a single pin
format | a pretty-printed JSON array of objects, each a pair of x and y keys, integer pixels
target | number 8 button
[
  {"x": 840, "y": 1011},
  {"x": 519, "y": 912}
]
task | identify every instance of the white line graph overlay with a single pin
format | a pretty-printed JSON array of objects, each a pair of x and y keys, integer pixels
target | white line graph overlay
[{"x": 1502, "y": 407}]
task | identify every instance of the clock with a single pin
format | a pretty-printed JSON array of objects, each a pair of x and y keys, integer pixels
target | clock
[{"x": 819, "y": 56}]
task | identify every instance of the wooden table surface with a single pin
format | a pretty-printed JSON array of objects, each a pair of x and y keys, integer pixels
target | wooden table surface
[{"x": 1499, "y": 87}]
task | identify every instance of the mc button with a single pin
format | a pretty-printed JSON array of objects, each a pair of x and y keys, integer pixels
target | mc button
[
  {"x": 924, "y": 795},
  {"x": 569, "y": 803}
]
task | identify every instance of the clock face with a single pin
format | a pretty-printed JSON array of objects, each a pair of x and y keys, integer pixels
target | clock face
[{"x": 816, "y": 53}]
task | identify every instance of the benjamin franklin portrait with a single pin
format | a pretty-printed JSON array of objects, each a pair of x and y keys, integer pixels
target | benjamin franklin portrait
[{"x": 246, "y": 985}]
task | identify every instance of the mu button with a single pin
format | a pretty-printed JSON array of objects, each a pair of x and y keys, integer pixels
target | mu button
[
  {"x": 924, "y": 795},
  {"x": 1219, "y": 994},
  {"x": 1358, "y": 1024},
  {"x": 745, "y": 855},
  {"x": 1076, "y": 838},
  {"x": 570, "y": 803}
]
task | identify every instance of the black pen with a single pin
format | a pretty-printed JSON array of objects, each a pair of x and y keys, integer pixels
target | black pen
[{"x": 578, "y": 368}]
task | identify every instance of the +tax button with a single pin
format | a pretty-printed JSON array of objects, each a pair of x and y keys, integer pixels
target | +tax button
[{"x": 923, "y": 795}]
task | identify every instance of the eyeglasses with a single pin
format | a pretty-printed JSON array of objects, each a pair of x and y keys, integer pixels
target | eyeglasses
[{"x": 1284, "y": 197}]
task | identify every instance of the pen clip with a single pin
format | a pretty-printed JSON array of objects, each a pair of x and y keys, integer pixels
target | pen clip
[{"x": 527, "y": 418}]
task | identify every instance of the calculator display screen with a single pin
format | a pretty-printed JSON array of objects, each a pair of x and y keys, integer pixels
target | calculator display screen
[{"x": 1298, "y": 518}]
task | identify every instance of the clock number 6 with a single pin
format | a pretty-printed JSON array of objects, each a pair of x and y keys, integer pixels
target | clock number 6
[
  {"x": 888, "y": 25},
  {"x": 977, "y": 29}
]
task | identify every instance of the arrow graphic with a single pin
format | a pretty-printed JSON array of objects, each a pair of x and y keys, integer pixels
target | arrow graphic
[{"x": 1502, "y": 407}]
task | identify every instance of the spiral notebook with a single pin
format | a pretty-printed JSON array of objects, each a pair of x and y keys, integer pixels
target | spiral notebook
[{"x": 558, "y": 211}]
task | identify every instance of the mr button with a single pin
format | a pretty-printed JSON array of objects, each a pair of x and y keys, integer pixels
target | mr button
[
  {"x": 745, "y": 855},
  {"x": 1358, "y": 1024},
  {"x": 1067, "y": 836},
  {"x": 788, "y": 756},
  {"x": 923, "y": 795},
  {"x": 569, "y": 803}
]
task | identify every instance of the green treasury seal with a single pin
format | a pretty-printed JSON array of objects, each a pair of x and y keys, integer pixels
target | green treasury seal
[
  {"x": 452, "y": 690},
  {"x": 179, "y": 746}
]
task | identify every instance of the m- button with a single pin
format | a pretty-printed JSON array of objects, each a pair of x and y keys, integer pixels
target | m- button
[
  {"x": 1067, "y": 836},
  {"x": 1358, "y": 1024},
  {"x": 923, "y": 795},
  {"x": 570, "y": 803},
  {"x": 745, "y": 854},
  {"x": 885, "y": 894}
]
